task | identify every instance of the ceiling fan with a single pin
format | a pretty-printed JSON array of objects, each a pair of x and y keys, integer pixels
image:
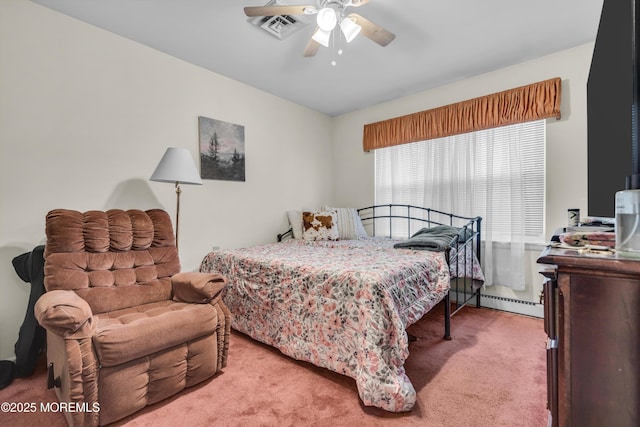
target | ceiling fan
[{"x": 329, "y": 14}]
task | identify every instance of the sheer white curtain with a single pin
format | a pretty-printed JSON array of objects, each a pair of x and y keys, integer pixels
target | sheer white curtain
[{"x": 497, "y": 174}]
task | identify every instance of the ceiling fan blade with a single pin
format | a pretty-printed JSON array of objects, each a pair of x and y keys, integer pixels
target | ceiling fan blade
[
  {"x": 373, "y": 31},
  {"x": 312, "y": 47},
  {"x": 276, "y": 10}
]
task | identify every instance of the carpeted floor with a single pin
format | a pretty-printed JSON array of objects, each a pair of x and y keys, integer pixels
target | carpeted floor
[{"x": 492, "y": 373}]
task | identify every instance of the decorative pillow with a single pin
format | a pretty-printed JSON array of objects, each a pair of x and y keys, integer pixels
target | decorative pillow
[
  {"x": 320, "y": 225},
  {"x": 349, "y": 223}
]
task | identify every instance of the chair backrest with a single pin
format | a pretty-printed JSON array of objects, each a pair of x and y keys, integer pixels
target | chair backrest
[{"x": 113, "y": 259}]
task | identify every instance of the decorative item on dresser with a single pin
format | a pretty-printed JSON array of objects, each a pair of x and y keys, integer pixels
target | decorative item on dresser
[{"x": 592, "y": 319}]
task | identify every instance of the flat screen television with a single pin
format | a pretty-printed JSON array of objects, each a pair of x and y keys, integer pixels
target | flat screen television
[{"x": 612, "y": 106}]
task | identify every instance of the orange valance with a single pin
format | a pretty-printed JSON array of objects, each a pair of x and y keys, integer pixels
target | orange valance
[{"x": 526, "y": 103}]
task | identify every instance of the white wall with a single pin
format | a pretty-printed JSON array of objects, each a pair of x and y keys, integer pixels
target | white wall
[
  {"x": 566, "y": 157},
  {"x": 86, "y": 115}
]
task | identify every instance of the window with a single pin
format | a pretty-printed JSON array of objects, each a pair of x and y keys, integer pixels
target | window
[{"x": 497, "y": 174}]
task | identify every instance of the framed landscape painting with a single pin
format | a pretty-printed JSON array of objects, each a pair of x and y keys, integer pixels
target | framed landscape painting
[{"x": 221, "y": 150}]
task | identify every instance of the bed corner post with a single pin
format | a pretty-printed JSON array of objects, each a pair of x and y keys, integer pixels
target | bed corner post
[
  {"x": 479, "y": 240},
  {"x": 479, "y": 256},
  {"x": 447, "y": 317},
  {"x": 447, "y": 302}
]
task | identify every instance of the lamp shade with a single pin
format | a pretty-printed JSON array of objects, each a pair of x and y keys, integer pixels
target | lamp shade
[
  {"x": 350, "y": 29},
  {"x": 327, "y": 19},
  {"x": 321, "y": 36},
  {"x": 176, "y": 166}
]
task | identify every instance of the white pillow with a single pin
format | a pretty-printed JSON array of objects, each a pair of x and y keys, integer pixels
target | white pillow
[
  {"x": 360, "y": 230},
  {"x": 349, "y": 223},
  {"x": 295, "y": 221}
]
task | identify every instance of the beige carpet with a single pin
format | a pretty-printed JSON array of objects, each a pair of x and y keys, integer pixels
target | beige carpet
[{"x": 492, "y": 373}]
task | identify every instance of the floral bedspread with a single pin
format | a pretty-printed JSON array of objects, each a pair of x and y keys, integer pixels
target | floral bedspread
[{"x": 342, "y": 305}]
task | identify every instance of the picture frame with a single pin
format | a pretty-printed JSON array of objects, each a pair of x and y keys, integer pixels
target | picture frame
[{"x": 222, "y": 150}]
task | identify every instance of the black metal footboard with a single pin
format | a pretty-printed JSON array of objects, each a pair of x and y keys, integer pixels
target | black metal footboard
[{"x": 402, "y": 221}]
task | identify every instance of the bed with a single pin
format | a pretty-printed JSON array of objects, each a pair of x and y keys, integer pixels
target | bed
[{"x": 344, "y": 304}]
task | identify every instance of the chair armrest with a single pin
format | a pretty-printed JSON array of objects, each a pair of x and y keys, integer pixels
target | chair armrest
[
  {"x": 196, "y": 287},
  {"x": 64, "y": 313}
]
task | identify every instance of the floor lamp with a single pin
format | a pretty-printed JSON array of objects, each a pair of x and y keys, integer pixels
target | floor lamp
[{"x": 177, "y": 166}]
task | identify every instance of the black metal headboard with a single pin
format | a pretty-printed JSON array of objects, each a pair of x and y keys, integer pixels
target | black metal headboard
[
  {"x": 415, "y": 217},
  {"x": 408, "y": 219}
]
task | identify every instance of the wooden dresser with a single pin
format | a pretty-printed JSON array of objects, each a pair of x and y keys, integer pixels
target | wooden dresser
[{"x": 592, "y": 319}]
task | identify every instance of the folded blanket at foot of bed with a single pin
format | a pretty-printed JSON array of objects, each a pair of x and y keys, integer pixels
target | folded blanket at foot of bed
[{"x": 436, "y": 238}]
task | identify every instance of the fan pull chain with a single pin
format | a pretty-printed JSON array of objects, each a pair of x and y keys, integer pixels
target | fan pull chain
[
  {"x": 333, "y": 47},
  {"x": 335, "y": 35}
]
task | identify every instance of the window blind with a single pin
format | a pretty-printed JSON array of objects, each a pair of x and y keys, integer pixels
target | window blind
[{"x": 495, "y": 173}]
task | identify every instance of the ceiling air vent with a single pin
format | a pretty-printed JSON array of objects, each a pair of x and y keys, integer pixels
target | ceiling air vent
[{"x": 280, "y": 26}]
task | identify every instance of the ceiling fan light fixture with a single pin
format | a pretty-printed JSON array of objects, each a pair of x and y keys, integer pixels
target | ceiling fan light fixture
[
  {"x": 323, "y": 37},
  {"x": 350, "y": 29},
  {"x": 327, "y": 19}
]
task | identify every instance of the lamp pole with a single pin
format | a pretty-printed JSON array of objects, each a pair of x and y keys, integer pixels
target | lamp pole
[{"x": 178, "y": 191}]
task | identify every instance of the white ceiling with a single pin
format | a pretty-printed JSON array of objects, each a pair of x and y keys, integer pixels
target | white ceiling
[{"x": 437, "y": 42}]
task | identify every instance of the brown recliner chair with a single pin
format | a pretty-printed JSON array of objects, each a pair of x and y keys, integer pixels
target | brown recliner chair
[{"x": 125, "y": 329}]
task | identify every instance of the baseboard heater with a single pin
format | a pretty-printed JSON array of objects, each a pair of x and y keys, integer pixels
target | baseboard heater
[{"x": 513, "y": 305}]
